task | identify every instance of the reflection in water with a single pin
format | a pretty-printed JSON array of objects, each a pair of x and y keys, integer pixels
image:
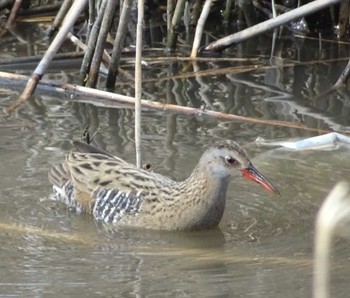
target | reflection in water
[{"x": 264, "y": 245}]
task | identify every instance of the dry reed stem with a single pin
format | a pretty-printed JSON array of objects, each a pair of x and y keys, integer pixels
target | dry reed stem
[
  {"x": 199, "y": 28},
  {"x": 60, "y": 16},
  {"x": 26, "y": 94},
  {"x": 223, "y": 43},
  {"x": 176, "y": 19},
  {"x": 118, "y": 44},
  {"x": 138, "y": 81},
  {"x": 238, "y": 70},
  {"x": 99, "y": 46},
  {"x": 68, "y": 23},
  {"x": 16, "y": 6},
  {"x": 94, "y": 96},
  {"x": 91, "y": 43}
]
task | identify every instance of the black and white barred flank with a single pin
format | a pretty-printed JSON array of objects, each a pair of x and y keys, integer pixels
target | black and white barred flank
[
  {"x": 67, "y": 196},
  {"x": 110, "y": 204}
]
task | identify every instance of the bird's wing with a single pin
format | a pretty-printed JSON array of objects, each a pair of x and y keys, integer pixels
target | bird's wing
[
  {"x": 89, "y": 171},
  {"x": 107, "y": 186},
  {"x": 87, "y": 148},
  {"x": 112, "y": 183},
  {"x": 83, "y": 147},
  {"x": 59, "y": 174}
]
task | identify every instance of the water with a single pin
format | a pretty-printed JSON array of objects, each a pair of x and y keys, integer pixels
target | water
[{"x": 263, "y": 246}]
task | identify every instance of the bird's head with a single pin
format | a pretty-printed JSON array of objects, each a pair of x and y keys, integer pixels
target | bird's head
[{"x": 226, "y": 159}]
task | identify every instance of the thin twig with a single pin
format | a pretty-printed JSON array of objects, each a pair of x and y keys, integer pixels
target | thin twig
[
  {"x": 83, "y": 46},
  {"x": 105, "y": 57}
]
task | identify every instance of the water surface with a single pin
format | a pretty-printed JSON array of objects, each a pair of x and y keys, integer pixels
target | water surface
[{"x": 263, "y": 246}]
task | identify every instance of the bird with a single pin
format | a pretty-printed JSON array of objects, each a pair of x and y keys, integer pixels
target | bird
[{"x": 91, "y": 180}]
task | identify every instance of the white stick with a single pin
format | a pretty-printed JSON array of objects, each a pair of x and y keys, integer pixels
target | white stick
[{"x": 199, "y": 28}]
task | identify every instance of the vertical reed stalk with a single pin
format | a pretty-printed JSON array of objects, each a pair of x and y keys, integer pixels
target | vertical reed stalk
[
  {"x": 274, "y": 12},
  {"x": 15, "y": 8},
  {"x": 138, "y": 81},
  {"x": 92, "y": 17},
  {"x": 199, "y": 28},
  {"x": 118, "y": 44},
  {"x": 196, "y": 11},
  {"x": 227, "y": 13},
  {"x": 169, "y": 12},
  {"x": 91, "y": 43},
  {"x": 172, "y": 34},
  {"x": 99, "y": 48},
  {"x": 60, "y": 16}
]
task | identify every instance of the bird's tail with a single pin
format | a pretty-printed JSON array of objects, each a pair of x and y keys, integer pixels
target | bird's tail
[
  {"x": 59, "y": 174},
  {"x": 63, "y": 189}
]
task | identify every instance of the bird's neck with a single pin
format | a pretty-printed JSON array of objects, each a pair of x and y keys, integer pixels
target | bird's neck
[{"x": 203, "y": 195}]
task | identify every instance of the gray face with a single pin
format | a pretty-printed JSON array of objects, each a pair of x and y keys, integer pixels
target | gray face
[{"x": 225, "y": 159}]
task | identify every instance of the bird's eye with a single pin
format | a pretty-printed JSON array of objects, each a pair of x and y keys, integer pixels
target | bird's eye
[{"x": 230, "y": 160}]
